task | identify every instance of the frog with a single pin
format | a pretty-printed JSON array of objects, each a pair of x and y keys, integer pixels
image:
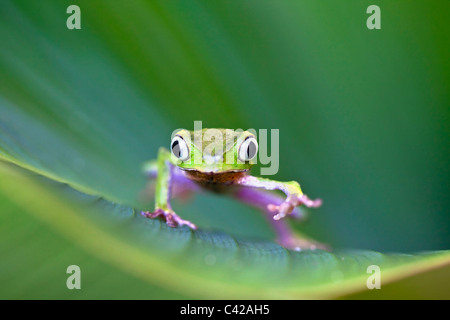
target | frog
[{"x": 223, "y": 166}]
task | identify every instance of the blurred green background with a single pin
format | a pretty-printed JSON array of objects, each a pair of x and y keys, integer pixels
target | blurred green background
[{"x": 363, "y": 114}]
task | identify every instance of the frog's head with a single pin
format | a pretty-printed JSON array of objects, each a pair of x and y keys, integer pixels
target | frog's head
[{"x": 214, "y": 150}]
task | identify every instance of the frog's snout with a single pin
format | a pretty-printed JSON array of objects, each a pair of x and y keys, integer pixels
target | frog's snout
[{"x": 209, "y": 159}]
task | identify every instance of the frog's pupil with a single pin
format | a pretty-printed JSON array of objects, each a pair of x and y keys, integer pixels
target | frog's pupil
[
  {"x": 176, "y": 148},
  {"x": 251, "y": 150}
]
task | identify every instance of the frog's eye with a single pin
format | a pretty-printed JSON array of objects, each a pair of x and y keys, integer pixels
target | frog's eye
[
  {"x": 248, "y": 149},
  {"x": 180, "y": 148}
]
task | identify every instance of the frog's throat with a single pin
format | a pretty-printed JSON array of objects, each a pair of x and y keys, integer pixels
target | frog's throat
[{"x": 215, "y": 177}]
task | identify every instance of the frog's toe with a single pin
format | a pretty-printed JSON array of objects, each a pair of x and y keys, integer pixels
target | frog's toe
[
  {"x": 303, "y": 199},
  {"x": 292, "y": 201},
  {"x": 171, "y": 218},
  {"x": 181, "y": 222},
  {"x": 152, "y": 215},
  {"x": 281, "y": 211}
]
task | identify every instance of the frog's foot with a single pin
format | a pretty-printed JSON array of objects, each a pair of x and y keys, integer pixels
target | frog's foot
[
  {"x": 290, "y": 203},
  {"x": 171, "y": 218},
  {"x": 297, "y": 243}
]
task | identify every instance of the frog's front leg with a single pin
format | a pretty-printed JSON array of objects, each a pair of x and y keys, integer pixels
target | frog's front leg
[
  {"x": 285, "y": 236},
  {"x": 292, "y": 190},
  {"x": 164, "y": 180}
]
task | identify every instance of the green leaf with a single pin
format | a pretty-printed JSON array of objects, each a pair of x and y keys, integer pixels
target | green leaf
[
  {"x": 196, "y": 263},
  {"x": 86, "y": 108}
]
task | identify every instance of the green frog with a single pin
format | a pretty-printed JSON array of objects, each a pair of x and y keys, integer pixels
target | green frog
[{"x": 223, "y": 165}]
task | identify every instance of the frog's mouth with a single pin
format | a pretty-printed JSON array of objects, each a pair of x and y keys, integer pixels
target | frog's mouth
[
  {"x": 215, "y": 177},
  {"x": 214, "y": 172}
]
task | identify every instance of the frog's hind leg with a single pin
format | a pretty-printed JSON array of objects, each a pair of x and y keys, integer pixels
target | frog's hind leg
[{"x": 287, "y": 238}]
